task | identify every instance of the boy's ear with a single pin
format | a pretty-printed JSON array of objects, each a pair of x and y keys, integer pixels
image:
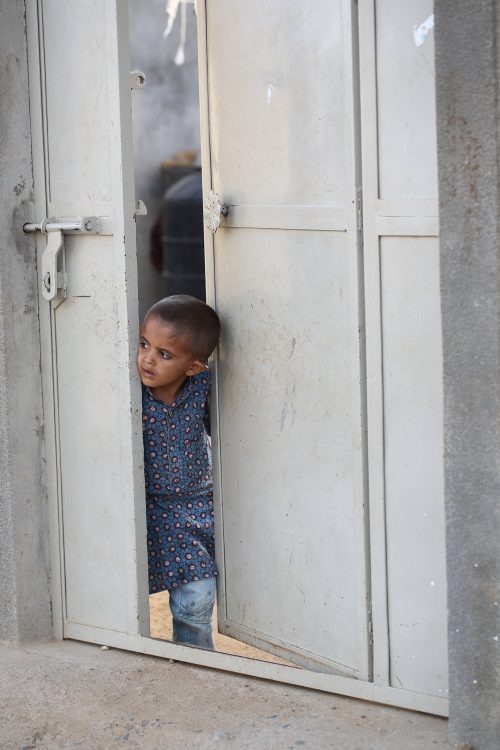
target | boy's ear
[{"x": 196, "y": 367}]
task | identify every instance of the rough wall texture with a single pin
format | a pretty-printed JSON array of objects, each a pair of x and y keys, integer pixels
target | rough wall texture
[
  {"x": 24, "y": 591},
  {"x": 166, "y": 118},
  {"x": 467, "y": 36}
]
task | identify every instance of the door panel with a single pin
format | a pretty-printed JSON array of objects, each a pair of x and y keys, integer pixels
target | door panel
[
  {"x": 290, "y": 443},
  {"x": 413, "y": 465},
  {"x": 91, "y": 482},
  {"x": 90, "y": 385},
  {"x": 289, "y": 447},
  {"x": 406, "y": 102},
  {"x": 77, "y": 100},
  {"x": 274, "y": 125}
]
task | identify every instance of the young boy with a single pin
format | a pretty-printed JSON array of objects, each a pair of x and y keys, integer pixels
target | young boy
[{"x": 177, "y": 336}]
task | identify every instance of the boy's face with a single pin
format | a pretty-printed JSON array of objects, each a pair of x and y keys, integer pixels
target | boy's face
[{"x": 163, "y": 360}]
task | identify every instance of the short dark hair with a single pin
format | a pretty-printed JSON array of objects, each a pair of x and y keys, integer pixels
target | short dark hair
[{"x": 193, "y": 320}]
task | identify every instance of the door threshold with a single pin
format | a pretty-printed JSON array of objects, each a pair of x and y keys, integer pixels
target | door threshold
[{"x": 329, "y": 683}]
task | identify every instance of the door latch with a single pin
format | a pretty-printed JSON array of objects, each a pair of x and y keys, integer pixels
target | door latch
[
  {"x": 54, "y": 277},
  {"x": 213, "y": 210}
]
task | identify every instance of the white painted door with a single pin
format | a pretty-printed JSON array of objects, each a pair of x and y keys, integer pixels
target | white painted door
[
  {"x": 80, "y": 103},
  {"x": 282, "y": 146},
  {"x": 282, "y": 154}
]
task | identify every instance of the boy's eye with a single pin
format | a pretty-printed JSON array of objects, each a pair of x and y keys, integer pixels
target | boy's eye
[
  {"x": 142, "y": 345},
  {"x": 164, "y": 355}
]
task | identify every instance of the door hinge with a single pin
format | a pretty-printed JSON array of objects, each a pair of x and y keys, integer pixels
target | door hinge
[
  {"x": 213, "y": 209},
  {"x": 370, "y": 623},
  {"x": 137, "y": 79},
  {"x": 140, "y": 209},
  {"x": 359, "y": 214}
]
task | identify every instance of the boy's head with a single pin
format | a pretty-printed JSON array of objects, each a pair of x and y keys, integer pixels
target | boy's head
[
  {"x": 194, "y": 322},
  {"x": 177, "y": 336}
]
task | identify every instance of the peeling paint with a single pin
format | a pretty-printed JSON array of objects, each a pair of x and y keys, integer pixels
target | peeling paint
[{"x": 421, "y": 32}]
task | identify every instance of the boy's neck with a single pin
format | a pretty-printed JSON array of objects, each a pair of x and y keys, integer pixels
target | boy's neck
[{"x": 167, "y": 393}]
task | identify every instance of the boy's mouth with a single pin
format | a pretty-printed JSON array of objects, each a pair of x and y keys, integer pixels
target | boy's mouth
[{"x": 148, "y": 373}]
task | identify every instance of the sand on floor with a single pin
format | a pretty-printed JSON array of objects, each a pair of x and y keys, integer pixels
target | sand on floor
[{"x": 160, "y": 624}]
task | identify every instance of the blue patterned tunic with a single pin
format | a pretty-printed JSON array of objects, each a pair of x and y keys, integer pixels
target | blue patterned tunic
[{"x": 179, "y": 494}]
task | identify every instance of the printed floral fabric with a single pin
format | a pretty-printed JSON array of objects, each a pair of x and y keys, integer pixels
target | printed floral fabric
[{"x": 179, "y": 496}]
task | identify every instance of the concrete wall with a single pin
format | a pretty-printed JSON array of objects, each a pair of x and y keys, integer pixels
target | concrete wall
[
  {"x": 24, "y": 590},
  {"x": 166, "y": 118},
  {"x": 467, "y": 69}
]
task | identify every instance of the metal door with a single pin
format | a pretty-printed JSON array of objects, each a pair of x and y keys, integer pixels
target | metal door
[
  {"x": 80, "y": 104},
  {"x": 284, "y": 272},
  {"x": 286, "y": 275},
  {"x": 282, "y": 154}
]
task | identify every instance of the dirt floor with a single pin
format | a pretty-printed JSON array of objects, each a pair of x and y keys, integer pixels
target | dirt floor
[
  {"x": 160, "y": 624},
  {"x": 73, "y": 695}
]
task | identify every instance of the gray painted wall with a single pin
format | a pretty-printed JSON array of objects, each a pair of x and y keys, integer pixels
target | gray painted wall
[
  {"x": 166, "y": 118},
  {"x": 467, "y": 66},
  {"x": 24, "y": 589}
]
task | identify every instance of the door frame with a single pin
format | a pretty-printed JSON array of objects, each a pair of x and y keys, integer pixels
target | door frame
[
  {"x": 49, "y": 383},
  {"x": 137, "y": 639}
]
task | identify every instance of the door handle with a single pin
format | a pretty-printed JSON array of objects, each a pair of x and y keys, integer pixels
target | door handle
[
  {"x": 54, "y": 279},
  {"x": 213, "y": 209}
]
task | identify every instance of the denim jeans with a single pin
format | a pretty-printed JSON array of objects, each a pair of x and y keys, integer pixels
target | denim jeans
[{"x": 192, "y": 607}]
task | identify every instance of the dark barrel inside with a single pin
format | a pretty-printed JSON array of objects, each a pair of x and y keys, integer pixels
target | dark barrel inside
[{"x": 182, "y": 238}]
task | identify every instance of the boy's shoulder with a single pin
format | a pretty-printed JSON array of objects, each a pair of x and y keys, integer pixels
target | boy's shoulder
[
  {"x": 196, "y": 386},
  {"x": 201, "y": 379}
]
